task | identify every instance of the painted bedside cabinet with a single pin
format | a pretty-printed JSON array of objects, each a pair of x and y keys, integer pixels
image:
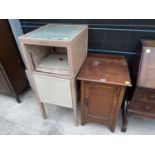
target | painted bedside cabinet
[
  {"x": 54, "y": 54},
  {"x": 103, "y": 83},
  {"x": 143, "y": 100}
]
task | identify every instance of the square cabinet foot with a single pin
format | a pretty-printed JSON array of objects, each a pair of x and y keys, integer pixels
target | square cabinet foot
[{"x": 112, "y": 129}]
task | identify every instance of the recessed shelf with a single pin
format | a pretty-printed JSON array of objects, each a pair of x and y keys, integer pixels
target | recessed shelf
[
  {"x": 49, "y": 59},
  {"x": 54, "y": 63}
]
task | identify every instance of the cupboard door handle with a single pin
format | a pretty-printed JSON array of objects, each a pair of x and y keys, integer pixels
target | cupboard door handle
[
  {"x": 86, "y": 101},
  {"x": 146, "y": 108}
]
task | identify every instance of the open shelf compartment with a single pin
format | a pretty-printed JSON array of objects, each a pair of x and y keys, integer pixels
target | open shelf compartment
[{"x": 49, "y": 59}]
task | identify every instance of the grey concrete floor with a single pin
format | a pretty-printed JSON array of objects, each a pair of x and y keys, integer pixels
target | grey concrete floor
[{"x": 25, "y": 119}]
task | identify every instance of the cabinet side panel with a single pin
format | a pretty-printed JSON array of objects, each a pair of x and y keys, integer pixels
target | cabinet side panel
[
  {"x": 28, "y": 64},
  {"x": 78, "y": 52}
]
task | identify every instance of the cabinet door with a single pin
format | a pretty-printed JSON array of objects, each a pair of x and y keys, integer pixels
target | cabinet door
[
  {"x": 100, "y": 102},
  {"x": 146, "y": 76},
  {"x": 53, "y": 90}
]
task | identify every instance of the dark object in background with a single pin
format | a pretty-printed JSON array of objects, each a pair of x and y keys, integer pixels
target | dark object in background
[
  {"x": 142, "y": 105},
  {"x": 13, "y": 78},
  {"x": 143, "y": 101},
  {"x": 103, "y": 83}
]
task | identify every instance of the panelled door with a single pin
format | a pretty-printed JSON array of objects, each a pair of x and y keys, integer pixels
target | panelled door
[
  {"x": 146, "y": 77},
  {"x": 100, "y": 101}
]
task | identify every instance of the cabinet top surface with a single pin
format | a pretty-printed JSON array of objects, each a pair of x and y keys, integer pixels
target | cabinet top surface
[
  {"x": 56, "y": 32},
  {"x": 148, "y": 42},
  {"x": 108, "y": 69}
]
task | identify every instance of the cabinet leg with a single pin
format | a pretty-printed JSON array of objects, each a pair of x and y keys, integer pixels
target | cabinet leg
[
  {"x": 74, "y": 101},
  {"x": 82, "y": 121},
  {"x": 82, "y": 114},
  {"x": 125, "y": 122},
  {"x": 82, "y": 104},
  {"x": 112, "y": 129},
  {"x": 17, "y": 99},
  {"x": 42, "y": 109},
  {"x": 120, "y": 100},
  {"x": 75, "y": 115}
]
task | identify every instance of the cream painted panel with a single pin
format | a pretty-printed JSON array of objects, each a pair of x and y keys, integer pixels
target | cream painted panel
[{"x": 53, "y": 90}]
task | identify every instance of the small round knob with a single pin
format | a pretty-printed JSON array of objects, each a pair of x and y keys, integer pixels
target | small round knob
[
  {"x": 146, "y": 108},
  {"x": 148, "y": 51}
]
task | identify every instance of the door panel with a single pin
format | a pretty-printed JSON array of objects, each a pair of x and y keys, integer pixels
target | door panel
[
  {"x": 53, "y": 90},
  {"x": 102, "y": 100},
  {"x": 147, "y": 70}
]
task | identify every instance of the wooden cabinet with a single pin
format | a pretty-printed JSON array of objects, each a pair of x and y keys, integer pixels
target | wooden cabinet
[
  {"x": 54, "y": 54},
  {"x": 103, "y": 82},
  {"x": 146, "y": 77},
  {"x": 13, "y": 79},
  {"x": 143, "y": 100}
]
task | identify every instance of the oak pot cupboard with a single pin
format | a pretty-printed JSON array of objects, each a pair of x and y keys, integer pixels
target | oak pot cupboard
[{"x": 103, "y": 83}]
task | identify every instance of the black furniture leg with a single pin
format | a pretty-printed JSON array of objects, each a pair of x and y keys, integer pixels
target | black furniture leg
[
  {"x": 125, "y": 122},
  {"x": 17, "y": 99}
]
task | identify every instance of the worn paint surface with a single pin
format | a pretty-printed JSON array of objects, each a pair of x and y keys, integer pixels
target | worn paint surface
[{"x": 56, "y": 32}]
